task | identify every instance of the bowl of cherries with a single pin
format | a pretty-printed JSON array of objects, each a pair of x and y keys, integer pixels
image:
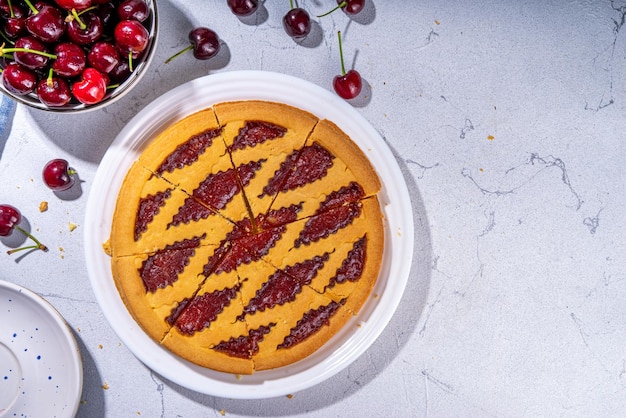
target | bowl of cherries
[{"x": 74, "y": 55}]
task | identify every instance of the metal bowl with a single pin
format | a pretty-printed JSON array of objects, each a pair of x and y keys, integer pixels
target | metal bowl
[{"x": 141, "y": 65}]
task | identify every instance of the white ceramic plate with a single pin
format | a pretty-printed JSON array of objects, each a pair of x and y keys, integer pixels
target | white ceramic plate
[
  {"x": 41, "y": 372},
  {"x": 346, "y": 346}
]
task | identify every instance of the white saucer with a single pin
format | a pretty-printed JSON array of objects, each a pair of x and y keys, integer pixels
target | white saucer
[{"x": 41, "y": 371}]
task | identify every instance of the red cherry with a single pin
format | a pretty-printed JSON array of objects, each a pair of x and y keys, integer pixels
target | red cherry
[
  {"x": 46, "y": 23},
  {"x": 243, "y": 7},
  {"x": 58, "y": 175},
  {"x": 85, "y": 29},
  {"x": 53, "y": 91},
  {"x": 15, "y": 24},
  {"x": 350, "y": 7},
  {"x": 103, "y": 56},
  {"x": 10, "y": 217},
  {"x": 71, "y": 60},
  {"x": 131, "y": 37},
  {"x": 133, "y": 10},
  {"x": 91, "y": 88},
  {"x": 18, "y": 79},
  {"x": 297, "y": 23},
  {"x": 204, "y": 42},
  {"x": 74, "y": 4},
  {"x": 348, "y": 85},
  {"x": 28, "y": 52}
]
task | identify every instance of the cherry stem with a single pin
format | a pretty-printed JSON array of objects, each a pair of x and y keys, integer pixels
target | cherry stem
[
  {"x": 6, "y": 38},
  {"x": 4, "y": 50},
  {"x": 38, "y": 245},
  {"x": 291, "y": 4},
  {"x": 130, "y": 61},
  {"x": 31, "y": 7},
  {"x": 76, "y": 16},
  {"x": 339, "y": 6},
  {"x": 343, "y": 67},
  {"x": 181, "y": 52},
  {"x": 11, "y": 12},
  {"x": 49, "y": 79}
]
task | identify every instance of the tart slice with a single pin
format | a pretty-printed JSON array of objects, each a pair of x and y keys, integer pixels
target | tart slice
[
  {"x": 328, "y": 163},
  {"x": 263, "y": 133},
  {"x": 152, "y": 284},
  {"x": 151, "y": 213}
]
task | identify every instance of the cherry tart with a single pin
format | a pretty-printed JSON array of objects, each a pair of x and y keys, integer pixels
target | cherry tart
[{"x": 246, "y": 235}]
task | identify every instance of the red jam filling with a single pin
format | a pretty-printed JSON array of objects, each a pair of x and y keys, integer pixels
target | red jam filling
[
  {"x": 327, "y": 223},
  {"x": 346, "y": 194},
  {"x": 162, "y": 268},
  {"x": 189, "y": 152},
  {"x": 256, "y": 132},
  {"x": 312, "y": 165},
  {"x": 218, "y": 189},
  {"x": 149, "y": 206},
  {"x": 310, "y": 323},
  {"x": 301, "y": 167},
  {"x": 284, "y": 285},
  {"x": 244, "y": 245},
  {"x": 351, "y": 268},
  {"x": 200, "y": 311},
  {"x": 244, "y": 346}
]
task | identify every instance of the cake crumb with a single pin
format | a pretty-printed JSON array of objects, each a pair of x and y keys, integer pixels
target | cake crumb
[
  {"x": 72, "y": 226},
  {"x": 106, "y": 246},
  {"x": 105, "y": 386},
  {"x": 222, "y": 412},
  {"x": 491, "y": 137},
  {"x": 100, "y": 346},
  {"x": 43, "y": 206},
  {"x": 290, "y": 396}
]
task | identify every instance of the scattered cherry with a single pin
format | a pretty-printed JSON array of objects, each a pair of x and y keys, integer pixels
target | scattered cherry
[
  {"x": 243, "y": 7},
  {"x": 350, "y": 7},
  {"x": 91, "y": 88},
  {"x": 10, "y": 217},
  {"x": 347, "y": 85},
  {"x": 204, "y": 43},
  {"x": 297, "y": 22},
  {"x": 58, "y": 175}
]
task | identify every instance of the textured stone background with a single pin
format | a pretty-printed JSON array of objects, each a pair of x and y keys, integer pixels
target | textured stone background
[{"x": 507, "y": 119}]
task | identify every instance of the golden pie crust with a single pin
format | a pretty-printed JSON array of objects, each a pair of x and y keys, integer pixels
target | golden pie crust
[{"x": 246, "y": 235}]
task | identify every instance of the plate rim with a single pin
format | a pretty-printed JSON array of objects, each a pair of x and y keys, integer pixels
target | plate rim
[
  {"x": 69, "y": 338},
  {"x": 260, "y": 85}
]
